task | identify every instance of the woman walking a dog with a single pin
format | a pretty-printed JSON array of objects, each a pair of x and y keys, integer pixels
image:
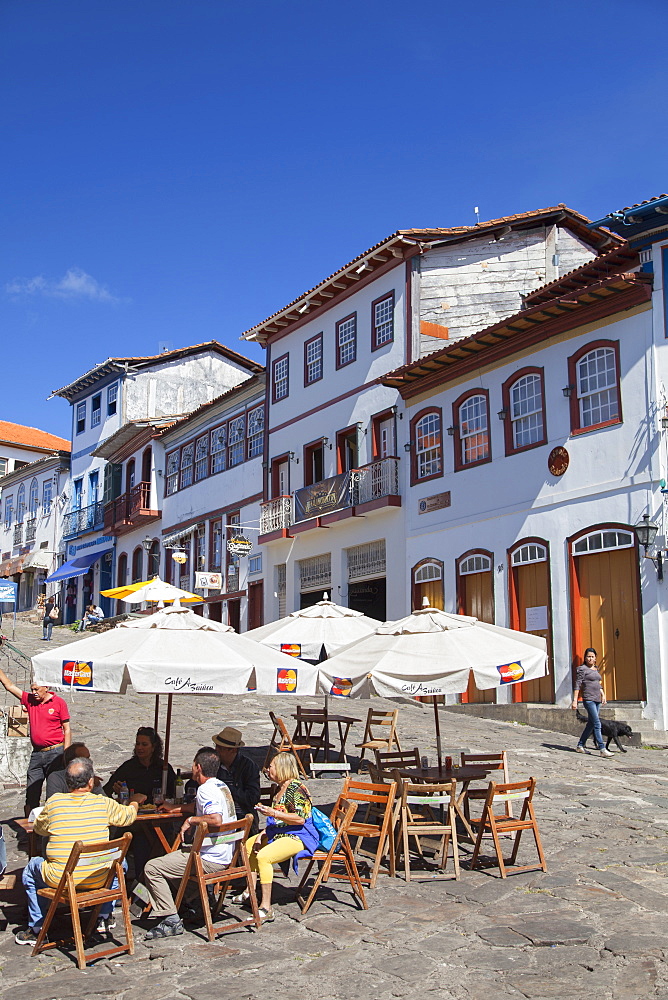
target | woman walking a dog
[{"x": 588, "y": 683}]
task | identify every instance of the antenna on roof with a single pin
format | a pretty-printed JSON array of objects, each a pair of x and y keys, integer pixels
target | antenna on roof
[
  {"x": 164, "y": 346},
  {"x": 476, "y": 212}
]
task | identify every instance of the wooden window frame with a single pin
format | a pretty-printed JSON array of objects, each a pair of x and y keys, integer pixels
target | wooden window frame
[
  {"x": 506, "y": 396},
  {"x": 376, "y": 420},
  {"x": 459, "y": 464},
  {"x": 307, "y": 452},
  {"x": 415, "y": 479},
  {"x": 240, "y": 444},
  {"x": 168, "y": 455},
  {"x": 341, "y": 437},
  {"x": 182, "y": 485},
  {"x": 212, "y": 525},
  {"x": 222, "y": 452},
  {"x": 346, "y": 319},
  {"x": 276, "y": 463},
  {"x": 251, "y": 438},
  {"x": 312, "y": 340},
  {"x": 573, "y": 360},
  {"x": 80, "y": 422},
  {"x": 274, "y": 397},
  {"x": 375, "y": 346}
]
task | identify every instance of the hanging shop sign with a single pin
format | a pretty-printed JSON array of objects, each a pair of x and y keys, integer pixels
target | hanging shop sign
[
  {"x": 239, "y": 545},
  {"x": 208, "y": 581},
  {"x": 558, "y": 460}
]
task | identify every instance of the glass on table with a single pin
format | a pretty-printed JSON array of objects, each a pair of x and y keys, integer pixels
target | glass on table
[{"x": 158, "y": 797}]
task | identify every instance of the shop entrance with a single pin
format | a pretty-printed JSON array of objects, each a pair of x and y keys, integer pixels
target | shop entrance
[{"x": 369, "y": 597}]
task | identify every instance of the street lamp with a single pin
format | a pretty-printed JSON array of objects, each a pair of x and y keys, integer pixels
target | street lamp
[
  {"x": 147, "y": 543},
  {"x": 646, "y": 532}
]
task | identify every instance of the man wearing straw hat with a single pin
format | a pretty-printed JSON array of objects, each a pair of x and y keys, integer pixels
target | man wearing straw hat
[{"x": 239, "y": 772}]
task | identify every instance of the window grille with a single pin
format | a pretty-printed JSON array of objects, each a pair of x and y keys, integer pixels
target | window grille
[
  {"x": 316, "y": 572},
  {"x": 530, "y": 553},
  {"x": 201, "y": 457},
  {"x": 172, "y": 473},
  {"x": 599, "y": 540},
  {"x": 236, "y": 430},
  {"x": 476, "y": 563},
  {"x": 366, "y": 560},
  {"x": 187, "y": 455},
  {"x": 255, "y": 431},
  {"x": 218, "y": 449},
  {"x": 281, "y": 589}
]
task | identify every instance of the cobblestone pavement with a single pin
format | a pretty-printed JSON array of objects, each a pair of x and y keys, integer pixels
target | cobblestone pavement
[{"x": 593, "y": 925}]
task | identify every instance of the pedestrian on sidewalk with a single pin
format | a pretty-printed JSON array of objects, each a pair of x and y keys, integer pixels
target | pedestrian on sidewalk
[
  {"x": 51, "y": 615},
  {"x": 50, "y": 733},
  {"x": 588, "y": 683}
]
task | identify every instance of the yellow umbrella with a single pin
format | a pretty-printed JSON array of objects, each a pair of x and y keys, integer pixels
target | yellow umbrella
[{"x": 120, "y": 593}]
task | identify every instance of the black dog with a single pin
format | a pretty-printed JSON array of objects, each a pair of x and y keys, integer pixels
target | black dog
[{"x": 611, "y": 729}]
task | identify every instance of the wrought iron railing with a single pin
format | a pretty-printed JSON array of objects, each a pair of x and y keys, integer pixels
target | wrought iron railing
[
  {"x": 31, "y": 529},
  {"x": 276, "y": 514},
  {"x": 379, "y": 479},
  {"x": 85, "y": 519},
  {"x": 18, "y": 533},
  {"x": 124, "y": 508}
]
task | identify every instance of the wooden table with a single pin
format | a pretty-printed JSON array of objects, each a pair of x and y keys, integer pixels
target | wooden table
[
  {"x": 462, "y": 775},
  {"x": 154, "y": 822},
  {"x": 344, "y": 722}
]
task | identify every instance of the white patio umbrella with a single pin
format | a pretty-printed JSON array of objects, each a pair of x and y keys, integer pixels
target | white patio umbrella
[
  {"x": 157, "y": 590},
  {"x": 315, "y": 632},
  {"x": 428, "y": 653}
]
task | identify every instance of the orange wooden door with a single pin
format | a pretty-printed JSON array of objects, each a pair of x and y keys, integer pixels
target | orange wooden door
[
  {"x": 608, "y": 609},
  {"x": 532, "y": 590},
  {"x": 476, "y": 598}
]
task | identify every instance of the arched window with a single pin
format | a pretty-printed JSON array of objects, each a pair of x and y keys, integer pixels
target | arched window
[
  {"x": 130, "y": 475},
  {"x": 532, "y": 552},
  {"x": 471, "y": 429},
  {"x": 427, "y": 441},
  {"x": 610, "y": 538},
  {"x": 34, "y": 498},
  {"x": 594, "y": 381},
  {"x": 122, "y": 573},
  {"x": 476, "y": 563},
  {"x": 428, "y": 582},
  {"x": 21, "y": 503},
  {"x": 524, "y": 405},
  {"x": 137, "y": 561}
]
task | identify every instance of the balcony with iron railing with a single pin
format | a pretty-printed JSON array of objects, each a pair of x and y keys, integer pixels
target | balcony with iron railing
[
  {"x": 31, "y": 529},
  {"x": 130, "y": 510},
  {"x": 370, "y": 487},
  {"x": 18, "y": 533},
  {"x": 77, "y": 522}
]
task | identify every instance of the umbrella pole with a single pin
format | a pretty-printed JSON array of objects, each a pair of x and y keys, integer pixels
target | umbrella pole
[
  {"x": 157, "y": 712},
  {"x": 168, "y": 729},
  {"x": 437, "y": 724}
]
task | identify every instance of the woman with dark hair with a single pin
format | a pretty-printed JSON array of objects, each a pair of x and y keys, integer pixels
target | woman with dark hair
[
  {"x": 588, "y": 683},
  {"x": 143, "y": 771}
]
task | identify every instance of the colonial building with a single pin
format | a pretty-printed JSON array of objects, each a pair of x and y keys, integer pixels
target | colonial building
[
  {"x": 21, "y": 445},
  {"x": 335, "y": 461},
  {"x": 104, "y": 400}
]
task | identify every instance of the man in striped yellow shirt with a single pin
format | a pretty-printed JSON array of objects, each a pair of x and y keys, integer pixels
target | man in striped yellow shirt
[{"x": 66, "y": 818}]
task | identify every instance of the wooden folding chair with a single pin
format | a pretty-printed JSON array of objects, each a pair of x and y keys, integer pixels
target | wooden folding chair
[
  {"x": 390, "y": 759},
  {"x": 280, "y": 742},
  {"x": 340, "y": 854},
  {"x": 380, "y": 731},
  {"x": 492, "y": 762},
  {"x": 111, "y": 854},
  {"x": 237, "y": 833},
  {"x": 420, "y": 816},
  {"x": 500, "y": 824},
  {"x": 375, "y": 822},
  {"x": 308, "y": 719}
]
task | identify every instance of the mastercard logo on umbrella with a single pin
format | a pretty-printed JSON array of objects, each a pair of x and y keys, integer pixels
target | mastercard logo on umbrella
[
  {"x": 291, "y": 648},
  {"x": 286, "y": 680},
  {"x": 341, "y": 686},
  {"x": 510, "y": 673},
  {"x": 77, "y": 673}
]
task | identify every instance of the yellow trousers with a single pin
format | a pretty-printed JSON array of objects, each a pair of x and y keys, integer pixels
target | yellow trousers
[{"x": 262, "y": 861}]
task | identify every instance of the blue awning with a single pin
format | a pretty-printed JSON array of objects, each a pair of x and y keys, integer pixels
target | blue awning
[{"x": 76, "y": 567}]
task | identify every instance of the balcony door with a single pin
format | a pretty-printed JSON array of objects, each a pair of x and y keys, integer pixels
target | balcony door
[
  {"x": 130, "y": 475},
  {"x": 314, "y": 463},
  {"x": 146, "y": 466},
  {"x": 347, "y": 451},
  {"x": 383, "y": 436}
]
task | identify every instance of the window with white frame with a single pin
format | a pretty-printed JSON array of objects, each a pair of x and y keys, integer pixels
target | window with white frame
[
  {"x": 255, "y": 431},
  {"x": 218, "y": 446},
  {"x": 255, "y": 564},
  {"x": 187, "y": 456},
  {"x": 428, "y": 572},
  {"x": 529, "y": 553},
  {"x": 3, "y": 466},
  {"x": 21, "y": 503},
  {"x": 112, "y": 399},
  {"x": 313, "y": 360},
  {"x": 598, "y": 394},
  {"x": 96, "y": 411},
  {"x": 47, "y": 497},
  {"x": 236, "y": 431},
  {"x": 9, "y": 511},
  {"x": 428, "y": 444},
  {"x": 81, "y": 417},
  {"x": 281, "y": 385},
  {"x": 383, "y": 321},
  {"x": 473, "y": 432},
  {"x": 605, "y": 539},
  {"x": 172, "y": 473},
  {"x": 476, "y": 563},
  {"x": 526, "y": 411},
  {"x": 346, "y": 341},
  {"x": 201, "y": 457},
  {"x": 33, "y": 501}
]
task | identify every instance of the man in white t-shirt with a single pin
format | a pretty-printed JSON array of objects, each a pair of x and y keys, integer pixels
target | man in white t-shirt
[{"x": 214, "y": 802}]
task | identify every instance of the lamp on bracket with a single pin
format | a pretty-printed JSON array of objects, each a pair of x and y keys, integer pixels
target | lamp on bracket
[
  {"x": 568, "y": 391},
  {"x": 646, "y": 532}
]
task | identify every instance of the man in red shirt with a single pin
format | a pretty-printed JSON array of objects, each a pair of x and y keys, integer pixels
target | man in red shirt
[{"x": 50, "y": 734}]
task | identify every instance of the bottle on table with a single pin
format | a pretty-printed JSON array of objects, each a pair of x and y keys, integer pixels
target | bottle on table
[
  {"x": 124, "y": 794},
  {"x": 179, "y": 788}
]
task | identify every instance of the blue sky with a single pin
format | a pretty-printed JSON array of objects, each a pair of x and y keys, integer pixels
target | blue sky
[{"x": 177, "y": 170}]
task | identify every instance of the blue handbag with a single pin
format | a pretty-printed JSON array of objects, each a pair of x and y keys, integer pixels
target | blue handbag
[{"x": 325, "y": 830}]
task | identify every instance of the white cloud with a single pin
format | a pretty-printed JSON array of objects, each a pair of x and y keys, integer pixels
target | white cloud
[{"x": 74, "y": 285}]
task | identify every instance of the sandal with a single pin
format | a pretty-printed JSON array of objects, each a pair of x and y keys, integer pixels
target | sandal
[
  {"x": 266, "y": 916},
  {"x": 243, "y": 897}
]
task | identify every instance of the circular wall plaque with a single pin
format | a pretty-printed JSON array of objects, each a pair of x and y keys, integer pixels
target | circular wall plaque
[{"x": 557, "y": 461}]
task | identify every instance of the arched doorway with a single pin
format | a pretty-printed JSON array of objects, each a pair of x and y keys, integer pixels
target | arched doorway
[
  {"x": 605, "y": 607},
  {"x": 531, "y": 609},
  {"x": 475, "y": 597},
  {"x": 428, "y": 582}
]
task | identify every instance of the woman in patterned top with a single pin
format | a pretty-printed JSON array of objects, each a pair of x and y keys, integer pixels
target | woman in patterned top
[{"x": 289, "y": 829}]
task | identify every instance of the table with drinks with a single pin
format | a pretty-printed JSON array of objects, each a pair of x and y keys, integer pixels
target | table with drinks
[{"x": 162, "y": 811}]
